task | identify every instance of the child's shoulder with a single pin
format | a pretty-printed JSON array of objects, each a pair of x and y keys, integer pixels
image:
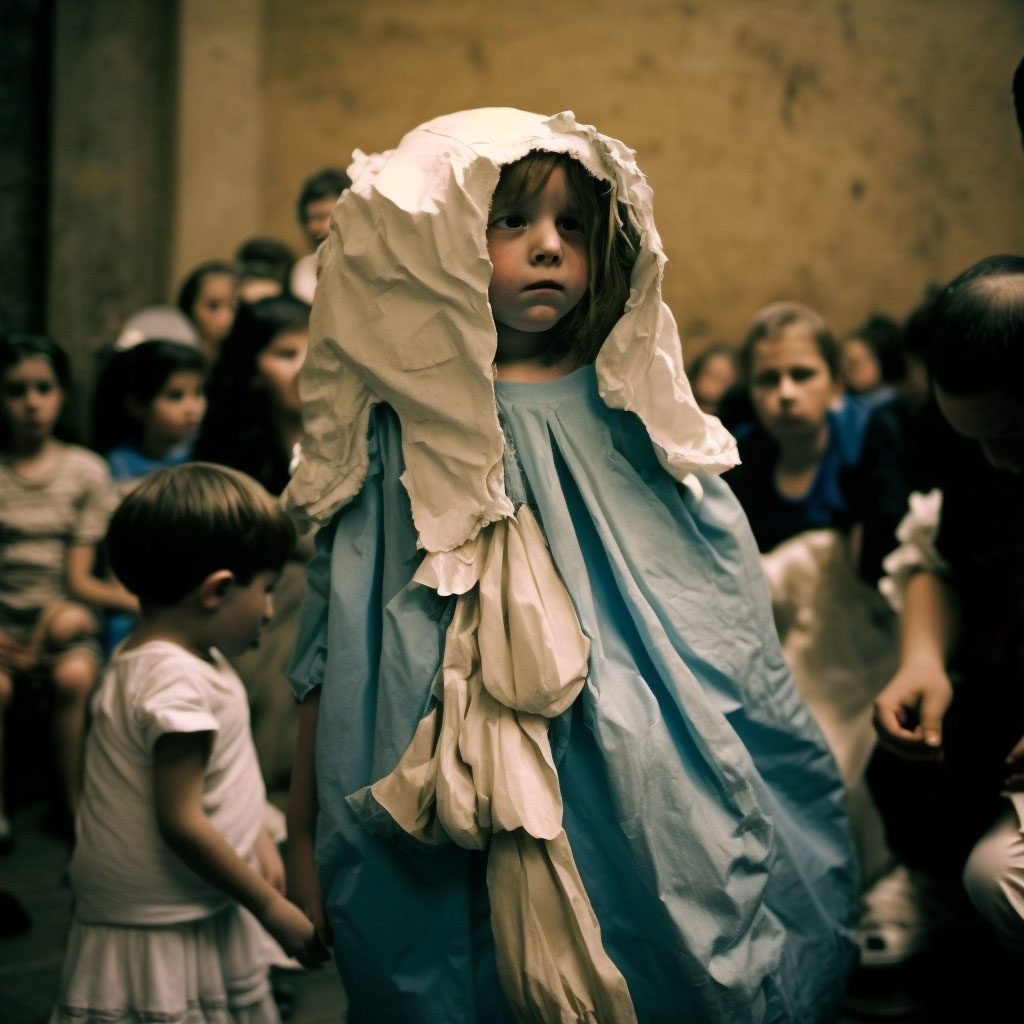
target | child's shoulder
[
  {"x": 159, "y": 686},
  {"x": 160, "y": 660},
  {"x": 82, "y": 462}
]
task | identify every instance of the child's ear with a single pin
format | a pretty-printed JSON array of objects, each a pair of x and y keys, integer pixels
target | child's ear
[{"x": 214, "y": 588}]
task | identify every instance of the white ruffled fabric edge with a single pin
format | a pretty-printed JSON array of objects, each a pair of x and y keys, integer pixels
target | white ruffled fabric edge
[{"x": 917, "y": 533}]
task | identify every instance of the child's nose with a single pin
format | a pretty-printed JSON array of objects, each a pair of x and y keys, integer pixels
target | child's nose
[
  {"x": 547, "y": 244},
  {"x": 268, "y": 609}
]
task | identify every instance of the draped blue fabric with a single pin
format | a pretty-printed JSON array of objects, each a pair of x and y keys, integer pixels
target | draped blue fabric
[{"x": 703, "y": 809}]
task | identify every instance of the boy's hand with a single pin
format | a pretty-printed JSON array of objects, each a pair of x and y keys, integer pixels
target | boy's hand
[
  {"x": 294, "y": 931},
  {"x": 909, "y": 712},
  {"x": 304, "y": 888}
]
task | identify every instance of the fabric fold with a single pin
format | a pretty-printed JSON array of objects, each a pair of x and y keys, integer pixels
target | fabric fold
[{"x": 479, "y": 772}]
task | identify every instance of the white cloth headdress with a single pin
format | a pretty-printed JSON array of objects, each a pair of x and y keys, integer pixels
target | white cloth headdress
[{"x": 401, "y": 315}]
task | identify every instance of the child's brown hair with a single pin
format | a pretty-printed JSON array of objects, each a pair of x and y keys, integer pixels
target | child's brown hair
[
  {"x": 184, "y": 522},
  {"x": 772, "y": 320},
  {"x": 612, "y": 246}
]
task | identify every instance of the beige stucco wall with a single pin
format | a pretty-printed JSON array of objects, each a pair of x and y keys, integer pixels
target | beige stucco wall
[{"x": 842, "y": 153}]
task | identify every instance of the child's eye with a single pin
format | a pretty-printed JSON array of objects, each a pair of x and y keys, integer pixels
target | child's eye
[
  {"x": 766, "y": 380},
  {"x": 571, "y": 224},
  {"x": 510, "y": 221},
  {"x": 801, "y": 373}
]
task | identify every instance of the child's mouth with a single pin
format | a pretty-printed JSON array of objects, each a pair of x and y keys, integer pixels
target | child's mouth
[{"x": 543, "y": 286}]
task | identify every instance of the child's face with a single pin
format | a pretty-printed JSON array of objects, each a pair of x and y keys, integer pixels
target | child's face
[
  {"x": 279, "y": 364},
  {"x": 859, "y": 366},
  {"x": 175, "y": 412},
  {"x": 316, "y": 219},
  {"x": 717, "y": 375},
  {"x": 242, "y": 613},
  {"x": 32, "y": 400},
  {"x": 214, "y": 309},
  {"x": 791, "y": 385},
  {"x": 994, "y": 419},
  {"x": 539, "y": 252}
]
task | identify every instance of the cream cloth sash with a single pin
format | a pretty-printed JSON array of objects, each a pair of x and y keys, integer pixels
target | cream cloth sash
[{"x": 479, "y": 770}]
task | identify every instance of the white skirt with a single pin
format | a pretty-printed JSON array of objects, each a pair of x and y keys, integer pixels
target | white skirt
[{"x": 211, "y": 971}]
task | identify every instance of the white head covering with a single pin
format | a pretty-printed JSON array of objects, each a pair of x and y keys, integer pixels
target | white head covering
[
  {"x": 402, "y": 316},
  {"x": 163, "y": 323}
]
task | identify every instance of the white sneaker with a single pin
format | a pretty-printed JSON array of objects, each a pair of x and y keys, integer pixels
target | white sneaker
[{"x": 894, "y": 923}]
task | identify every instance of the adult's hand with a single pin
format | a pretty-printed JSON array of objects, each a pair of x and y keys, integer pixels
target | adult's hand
[{"x": 910, "y": 710}]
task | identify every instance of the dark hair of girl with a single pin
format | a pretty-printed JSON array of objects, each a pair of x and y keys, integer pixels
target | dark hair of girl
[
  {"x": 188, "y": 293},
  {"x": 17, "y": 346},
  {"x": 884, "y": 337},
  {"x": 134, "y": 377},
  {"x": 239, "y": 428},
  {"x": 612, "y": 243}
]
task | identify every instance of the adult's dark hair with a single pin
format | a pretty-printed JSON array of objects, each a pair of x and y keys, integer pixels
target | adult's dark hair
[
  {"x": 976, "y": 330},
  {"x": 884, "y": 337},
  {"x": 134, "y": 377},
  {"x": 265, "y": 257},
  {"x": 328, "y": 183},
  {"x": 19, "y": 345},
  {"x": 239, "y": 428},
  {"x": 917, "y": 324},
  {"x": 190, "y": 287},
  {"x": 773, "y": 319},
  {"x": 182, "y": 523}
]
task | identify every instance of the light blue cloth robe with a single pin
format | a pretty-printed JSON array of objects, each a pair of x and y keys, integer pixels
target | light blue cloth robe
[{"x": 703, "y": 809}]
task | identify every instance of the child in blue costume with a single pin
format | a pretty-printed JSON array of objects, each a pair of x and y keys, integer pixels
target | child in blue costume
[{"x": 556, "y": 767}]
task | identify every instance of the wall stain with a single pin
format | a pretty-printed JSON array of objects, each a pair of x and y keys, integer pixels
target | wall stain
[
  {"x": 858, "y": 189},
  {"x": 800, "y": 79},
  {"x": 847, "y": 25},
  {"x": 348, "y": 99},
  {"x": 696, "y": 327},
  {"x": 476, "y": 56}
]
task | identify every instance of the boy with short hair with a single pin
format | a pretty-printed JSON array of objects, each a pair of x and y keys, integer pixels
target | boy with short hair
[{"x": 174, "y": 864}]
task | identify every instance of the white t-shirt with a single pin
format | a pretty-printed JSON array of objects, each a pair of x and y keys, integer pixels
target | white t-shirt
[{"x": 122, "y": 871}]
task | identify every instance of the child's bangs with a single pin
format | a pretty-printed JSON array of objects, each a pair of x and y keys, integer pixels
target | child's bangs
[{"x": 526, "y": 177}]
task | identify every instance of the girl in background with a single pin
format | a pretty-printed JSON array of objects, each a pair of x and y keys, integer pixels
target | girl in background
[
  {"x": 798, "y": 455},
  {"x": 147, "y": 408},
  {"x": 55, "y": 499},
  {"x": 148, "y": 405},
  {"x": 552, "y": 758},
  {"x": 254, "y": 419},
  {"x": 254, "y": 423},
  {"x": 207, "y": 297}
]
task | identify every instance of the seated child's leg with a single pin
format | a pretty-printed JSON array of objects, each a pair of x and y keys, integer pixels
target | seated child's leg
[
  {"x": 71, "y": 654},
  {"x": 994, "y": 879},
  {"x": 6, "y": 693}
]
